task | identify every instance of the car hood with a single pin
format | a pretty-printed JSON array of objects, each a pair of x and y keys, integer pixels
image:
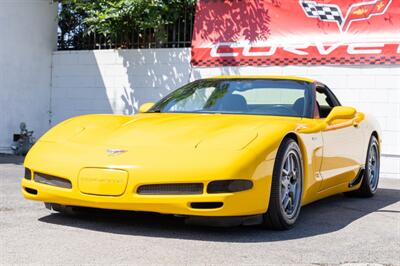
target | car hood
[{"x": 163, "y": 131}]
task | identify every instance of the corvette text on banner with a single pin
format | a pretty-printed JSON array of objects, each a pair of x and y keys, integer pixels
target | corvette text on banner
[{"x": 296, "y": 32}]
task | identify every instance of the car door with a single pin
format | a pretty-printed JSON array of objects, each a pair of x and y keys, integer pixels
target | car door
[{"x": 342, "y": 144}]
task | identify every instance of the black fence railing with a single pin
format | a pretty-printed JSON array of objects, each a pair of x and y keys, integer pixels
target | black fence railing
[{"x": 178, "y": 34}]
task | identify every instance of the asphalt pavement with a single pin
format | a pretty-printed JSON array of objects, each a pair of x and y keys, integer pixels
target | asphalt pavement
[{"x": 337, "y": 230}]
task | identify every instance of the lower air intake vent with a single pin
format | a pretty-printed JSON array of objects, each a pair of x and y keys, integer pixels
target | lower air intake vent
[
  {"x": 171, "y": 189},
  {"x": 206, "y": 205},
  {"x": 52, "y": 180},
  {"x": 31, "y": 190}
]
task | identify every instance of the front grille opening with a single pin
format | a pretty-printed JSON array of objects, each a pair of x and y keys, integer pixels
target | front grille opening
[
  {"x": 171, "y": 189},
  {"x": 206, "y": 205},
  {"x": 52, "y": 180},
  {"x": 31, "y": 190}
]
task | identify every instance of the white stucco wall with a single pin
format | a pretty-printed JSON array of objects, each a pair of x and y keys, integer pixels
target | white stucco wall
[
  {"x": 114, "y": 81},
  {"x": 118, "y": 81},
  {"x": 27, "y": 39}
]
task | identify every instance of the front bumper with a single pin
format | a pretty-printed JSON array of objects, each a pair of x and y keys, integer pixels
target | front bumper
[
  {"x": 162, "y": 167},
  {"x": 249, "y": 202}
]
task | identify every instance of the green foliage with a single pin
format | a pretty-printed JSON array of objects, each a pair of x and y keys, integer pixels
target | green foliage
[
  {"x": 70, "y": 23},
  {"x": 116, "y": 17}
]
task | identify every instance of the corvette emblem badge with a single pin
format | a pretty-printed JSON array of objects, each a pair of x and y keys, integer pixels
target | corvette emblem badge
[
  {"x": 356, "y": 12},
  {"x": 114, "y": 152}
]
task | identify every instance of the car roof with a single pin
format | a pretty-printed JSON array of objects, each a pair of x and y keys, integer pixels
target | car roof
[{"x": 262, "y": 77}]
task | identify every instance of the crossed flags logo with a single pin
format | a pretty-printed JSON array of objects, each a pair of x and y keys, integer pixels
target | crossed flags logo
[{"x": 333, "y": 13}]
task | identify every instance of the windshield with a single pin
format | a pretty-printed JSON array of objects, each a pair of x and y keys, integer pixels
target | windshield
[{"x": 240, "y": 96}]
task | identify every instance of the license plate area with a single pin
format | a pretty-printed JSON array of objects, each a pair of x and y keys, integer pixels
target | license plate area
[{"x": 101, "y": 181}]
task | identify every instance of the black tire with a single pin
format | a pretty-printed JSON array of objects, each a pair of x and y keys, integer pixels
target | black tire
[
  {"x": 369, "y": 183},
  {"x": 276, "y": 216}
]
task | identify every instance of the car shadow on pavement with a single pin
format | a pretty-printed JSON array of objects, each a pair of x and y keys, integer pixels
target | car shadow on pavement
[{"x": 322, "y": 217}]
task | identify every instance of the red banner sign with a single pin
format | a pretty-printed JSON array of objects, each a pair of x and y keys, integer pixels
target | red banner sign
[{"x": 296, "y": 32}]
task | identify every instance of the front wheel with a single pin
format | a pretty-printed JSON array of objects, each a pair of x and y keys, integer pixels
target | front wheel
[{"x": 286, "y": 188}]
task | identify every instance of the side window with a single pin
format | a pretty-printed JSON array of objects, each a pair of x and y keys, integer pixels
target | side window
[
  {"x": 271, "y": 96},
  {"x": 325, "y": 102},
  {"x": 279, "y": 101}
]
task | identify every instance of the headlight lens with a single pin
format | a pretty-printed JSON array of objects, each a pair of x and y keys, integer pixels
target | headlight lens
[{"x": 228, "y": 186}]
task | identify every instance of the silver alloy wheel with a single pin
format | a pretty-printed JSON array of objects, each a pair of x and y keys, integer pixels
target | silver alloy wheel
[
  {"x": 373, "y": 166},
  {"x": 291, "y": 184}
]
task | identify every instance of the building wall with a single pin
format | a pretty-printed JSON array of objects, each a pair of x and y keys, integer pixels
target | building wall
[
  {"x": 118, "y": 81},
  {"x": 28, "y": 38},
  {"x": 114, "y": 81}
]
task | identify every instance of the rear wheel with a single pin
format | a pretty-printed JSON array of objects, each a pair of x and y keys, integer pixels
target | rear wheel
[
  {"x": 286, "y": 188},
  {"x": 369, "y": 184}
]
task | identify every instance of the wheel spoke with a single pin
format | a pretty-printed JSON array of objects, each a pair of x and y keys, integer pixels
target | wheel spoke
[
  {"x": 284, "y": 186},
  {"x": 292, "y": 163},
  {"x": 285, "y": 172},
  {"x": 294, "y": 174},
  {"x": 290, "y": 205},
  {"x": 285, "y": 202},
  {"x": 289, "y": 164},
  {"x": 290, "y": 183},
  {"x": 373, "y": 166}
]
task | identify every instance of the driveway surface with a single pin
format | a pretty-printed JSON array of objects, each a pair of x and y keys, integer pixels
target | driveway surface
[{"x": 337, "y": 230}]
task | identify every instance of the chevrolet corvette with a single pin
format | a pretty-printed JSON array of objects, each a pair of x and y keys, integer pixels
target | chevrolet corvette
[{"x": 226, "y": 150}]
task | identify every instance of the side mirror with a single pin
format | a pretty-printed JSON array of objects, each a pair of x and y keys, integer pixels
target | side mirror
[
  {"x": 145, "y": 107},
  {"x": 341, "y": 112}
]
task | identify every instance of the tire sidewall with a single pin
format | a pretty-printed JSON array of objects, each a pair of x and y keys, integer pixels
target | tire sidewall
[
  {"x": 373, "y": 140},
  {"x": 288, "y": 146}
]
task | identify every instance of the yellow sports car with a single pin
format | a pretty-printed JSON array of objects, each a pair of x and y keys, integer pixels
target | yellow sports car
[{"x": 225, "y": 150}]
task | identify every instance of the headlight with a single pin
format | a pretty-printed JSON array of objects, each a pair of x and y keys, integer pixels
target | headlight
[{"x": 228, "y": 186}]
